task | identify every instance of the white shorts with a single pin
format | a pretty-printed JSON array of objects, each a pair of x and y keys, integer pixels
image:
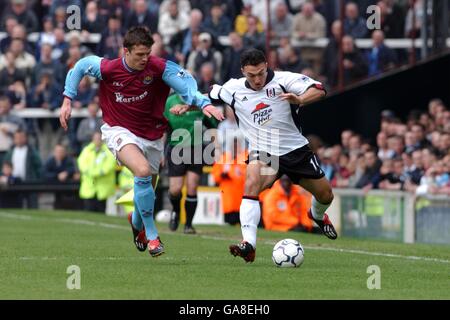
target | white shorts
[{"x": 118, "y": 137}]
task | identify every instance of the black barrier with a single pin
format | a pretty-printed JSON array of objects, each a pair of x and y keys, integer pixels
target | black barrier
[{"x": 359, "y": 108}]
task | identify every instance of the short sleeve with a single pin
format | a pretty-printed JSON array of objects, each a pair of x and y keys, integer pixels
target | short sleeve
[{"x": 298, "y": 83}]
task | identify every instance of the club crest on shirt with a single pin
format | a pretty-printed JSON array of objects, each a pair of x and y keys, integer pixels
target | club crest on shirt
[
  {"x": 270, "y": 93},
  {"x": 148, "y": 79}
]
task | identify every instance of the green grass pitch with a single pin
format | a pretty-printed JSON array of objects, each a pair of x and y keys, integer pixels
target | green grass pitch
[{"x": 37, "y": 247}]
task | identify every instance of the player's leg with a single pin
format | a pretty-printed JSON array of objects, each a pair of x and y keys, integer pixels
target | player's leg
[
  {"x": 322, "y": 198},
  {"x": 250, "y": 210},
  {"x": 190, "y": 205},
  {"x": 133, "y": 158},
  {"x": 175, "y": 186}
]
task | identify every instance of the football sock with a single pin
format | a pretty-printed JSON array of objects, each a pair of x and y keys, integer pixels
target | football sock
[
  {"x": 318, "y": 209},
  {"x": 136, "y": 219},
  {"x": 249, "y": 214},
  {"x": 190, "y": 205},
  {"x": 175, "y": 201},
  {"x": 144, "y": 200}
]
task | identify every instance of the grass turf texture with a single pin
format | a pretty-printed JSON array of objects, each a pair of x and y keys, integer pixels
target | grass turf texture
[{"x": 38, "y": 246}]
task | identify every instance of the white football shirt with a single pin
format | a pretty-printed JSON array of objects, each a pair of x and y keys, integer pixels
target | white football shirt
[{"x": 267, "y": 122}]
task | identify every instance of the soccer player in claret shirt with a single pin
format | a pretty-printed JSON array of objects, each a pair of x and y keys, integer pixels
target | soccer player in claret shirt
[
  {"x": 266, "y": 105},
  {"x": 132, "y": 94}
]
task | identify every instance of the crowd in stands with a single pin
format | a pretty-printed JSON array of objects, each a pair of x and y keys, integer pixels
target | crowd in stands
[{"x": 412, "y": 155}]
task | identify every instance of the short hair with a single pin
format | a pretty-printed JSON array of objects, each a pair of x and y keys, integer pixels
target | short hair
[
  {"x": 252, "y": 57},
  {"x": 138, "y": 35}
]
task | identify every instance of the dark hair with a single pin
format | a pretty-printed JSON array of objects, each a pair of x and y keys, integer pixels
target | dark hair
[
  {"x": 139, "y": 35},
  {"x": 252, "y": 57}
]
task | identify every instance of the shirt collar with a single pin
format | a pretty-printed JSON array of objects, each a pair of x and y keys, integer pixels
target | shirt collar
[{"x": 270, "y": 75}]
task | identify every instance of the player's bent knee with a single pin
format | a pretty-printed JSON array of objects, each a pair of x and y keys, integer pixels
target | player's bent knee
[
  {"x": 142, "y": 171},
  {"x": 326, "y": 196}
]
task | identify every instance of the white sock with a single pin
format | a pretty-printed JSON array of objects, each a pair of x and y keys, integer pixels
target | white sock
[
  {"x": 318, "y": 209},
  {"x": 249, "y": 214}
]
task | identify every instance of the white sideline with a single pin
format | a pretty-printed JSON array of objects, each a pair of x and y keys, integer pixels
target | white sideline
[{"x": 115, "y": 226}]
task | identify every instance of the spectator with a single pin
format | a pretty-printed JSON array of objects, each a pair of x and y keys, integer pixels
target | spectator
[
  {"x": 88, "y": 126},
  {"x": 27, "y": 164},
  {"x": 282, "y": 22},
  {"x": 22, "y": 59},
  {"x": 10, "y": 74},
  {"x": 47, "y": 36},
  {"x": 380, "y": 57},
  {"x": 290, "y": 60},
  {"x": 183, "y": 6},
  {"x": 216, "y": 23},
  {"x": 49, "y": 66},
  {"x": 252, "y": 37},
  {"x": 411, "y": 142},
  {"x": 141, "y": 15},
  {"x": 415, "y": 8},
  {"x": 383, "y": 151},
  {"x": 172, "y": 21},
  {"x": 355, "y": 67},
  {"x": 308, "y": 24},
  {"x": 45, "y": 94},
  {"x": 259, "y": 9},
  {"x": 18, "y": 32},
  {"x": 285, "y": 207},
  {"x": 109, "y": 8},
  {"x": 10, "y": 23},
  {"x": 98, "y": 176},
  {"x": 229, "y": 174},
  {"x": 231, "y": 64},
  {"x": 93, "y": 22},
  {"x": 63, "y": 4},
  {"x": 392, "y": 19},
  {"x": 159, "y": 49},
  {"x": 60, "y": 18},
  {"x": 19, "y": 9},
  {"x": 206, "y": 80},
  {"x": 111, "y": 40},
  {"x": 414, "y": 171},
  {"x": 10, "y": 199},
  {"x": 419, "y": 131},
  {"x": 60, "y": 45},
  {"x": 205, "y": 53},
  {"x": 397, "y": 145},
  {"x": 354, "y": 24},
  {"x": 60, "y": 168},
  {"x": 395, "y": 178},
  {"x": 331, "y": 51},
  {"x": 182, "y": 42},
  {"x": 241, "y": 22},
  {"x": 17, "y": 94},
  {"x": 371, "y": 171},
  {"x": 9, "y": 124}
]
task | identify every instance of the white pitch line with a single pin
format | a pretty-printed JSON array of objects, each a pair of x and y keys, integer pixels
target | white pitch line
[{"x": 115, "y": 226}]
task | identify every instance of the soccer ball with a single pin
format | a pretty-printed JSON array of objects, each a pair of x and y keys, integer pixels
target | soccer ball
[{"x": 288, "y": 253}]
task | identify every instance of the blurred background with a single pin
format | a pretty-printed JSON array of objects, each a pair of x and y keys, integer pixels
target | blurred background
[{"x": 382, "y": 134}]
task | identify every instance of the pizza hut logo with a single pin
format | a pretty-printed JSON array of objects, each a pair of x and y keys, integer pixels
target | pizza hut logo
[{"x": 262, "y": 113}]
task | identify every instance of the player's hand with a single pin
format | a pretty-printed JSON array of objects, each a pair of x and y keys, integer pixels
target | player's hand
[
  {"x": 64, "y": 113},
  {"x": 292, "y": 98},
  {"x": 211, "y": 111},
  {"x": 179, "y": 109}
]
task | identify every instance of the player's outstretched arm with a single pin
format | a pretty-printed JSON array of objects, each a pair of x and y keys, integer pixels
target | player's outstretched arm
[
  {"x": 87, "y": 66},
  {"x": 185, "y": 85},
  {"x": 311, "y": 95}
]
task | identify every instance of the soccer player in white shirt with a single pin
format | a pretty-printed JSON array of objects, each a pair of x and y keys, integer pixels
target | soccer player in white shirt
[{"x": 266, "y": 104}]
